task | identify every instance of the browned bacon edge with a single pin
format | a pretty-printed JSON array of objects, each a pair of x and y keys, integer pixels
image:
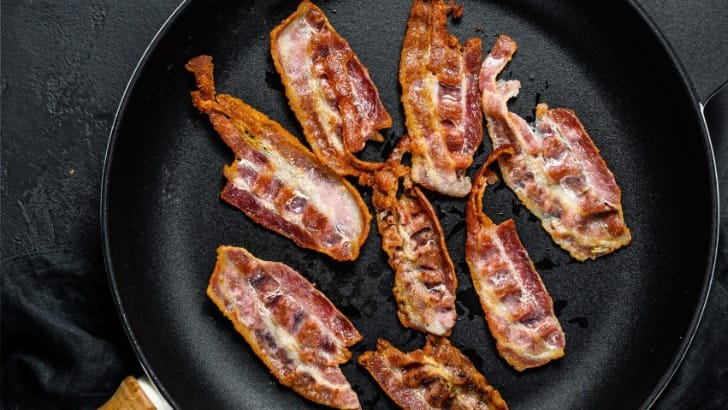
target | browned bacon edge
[
  {"x": 328, "y": 89},
  {"x": 556, "y": 171},
  {"x": 436, "y": 377},
  {"x": 439, "y": 79},
  {"x": 424, "y": 281},
  {"x": 518, "y": 309},
  {"x": 276, "y": 181},
  {"x": 292, "y": 327}
]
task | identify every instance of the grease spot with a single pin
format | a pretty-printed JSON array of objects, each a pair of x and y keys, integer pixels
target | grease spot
[
  {"x": 388, "y": 145},
  {"x": 467, "y": 303},
  {"x": 457, "y": 211},
  {"x": 581, "y": 321},
  {"x": 499, "y": 185},
  {"x": 371, "y": 403},
  {"x": 459, "y": 226},
  {"x": 273, "y": 81},
  {"x": 385, "y": 288},
  {"x": 473, "y": 356},
  {"x": 412, "y": 336},
  {"x": 373, "y": 270},
  {"x": 559, "y": 306},
  {"x": 463, "y": 266},
  {"x": 545, "y": 264},
  {"x": 351, "y": 311},
  {"x": 516, "y": 207}
]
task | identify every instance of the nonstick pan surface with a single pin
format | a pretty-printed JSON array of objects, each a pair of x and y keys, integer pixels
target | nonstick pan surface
[{"x": 628, "y": 317}]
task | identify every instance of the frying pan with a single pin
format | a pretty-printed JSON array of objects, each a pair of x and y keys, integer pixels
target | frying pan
[{"x": 628, "y": 317}]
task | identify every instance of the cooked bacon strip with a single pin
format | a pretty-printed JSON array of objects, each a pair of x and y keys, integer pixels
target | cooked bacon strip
[
  {"x": 439, "y": 79},
  {"x": 328, "y": 89},
  {"x": 292, "y": 327},
  {"x": 424, "y": 279},
  {"x": 436, "y": 377},
  {"x": 518, "y": 308},
  {"x": 276, "y": 181},
  {"x": 556, "y": 171}
]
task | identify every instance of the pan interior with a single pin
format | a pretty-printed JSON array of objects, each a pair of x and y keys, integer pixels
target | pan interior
[{"x": 625, "y": 315}]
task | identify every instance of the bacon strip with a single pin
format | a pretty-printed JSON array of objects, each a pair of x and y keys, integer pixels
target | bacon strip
[
  {"x": 276, "y": 181},
  {"x": 439, "y": 79},
  {"x": 518, "y": 308},
  {"x": 556, "y": 171},
  {"x": 328, "y": 89},
  {"x": 436, "y": 377},
  {"x": 424, "y": 280},
  {"x": 292, "y": 327}
]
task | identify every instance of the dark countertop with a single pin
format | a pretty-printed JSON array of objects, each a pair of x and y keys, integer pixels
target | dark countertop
[{"x": 64, "y": 69}]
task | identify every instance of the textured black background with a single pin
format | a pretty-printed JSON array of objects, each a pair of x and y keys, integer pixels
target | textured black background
[{"x": 64, "y": 68}]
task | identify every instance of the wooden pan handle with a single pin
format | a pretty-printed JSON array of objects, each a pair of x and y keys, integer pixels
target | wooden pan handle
[{"x": 129, "y": 396}]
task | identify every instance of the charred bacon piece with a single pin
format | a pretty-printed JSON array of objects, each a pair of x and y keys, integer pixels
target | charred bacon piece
[
  {"x": 276, "y": 181},
  {"x": 328, "y": 89},
  {"x": 555, "y": 170},
  {"x": 424, "y": 280},
  {"x": 439, "y": 79},
  {"x": 292, "y": 327},
  {"x": 436, "y": 377},
  {"x": 518, "y": 309}
]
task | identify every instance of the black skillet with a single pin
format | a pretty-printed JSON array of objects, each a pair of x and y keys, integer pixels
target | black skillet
[{"x": 628, "y": 317}]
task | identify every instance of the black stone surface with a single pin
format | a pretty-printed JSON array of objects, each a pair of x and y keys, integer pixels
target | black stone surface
[{"x": 64, "y": 66}]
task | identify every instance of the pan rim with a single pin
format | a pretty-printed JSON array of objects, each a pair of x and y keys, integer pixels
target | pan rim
[
  {"x": 696, "y": 106},
  {"x": 698, "y": 110},
  {"x": 104, "y": 204}
]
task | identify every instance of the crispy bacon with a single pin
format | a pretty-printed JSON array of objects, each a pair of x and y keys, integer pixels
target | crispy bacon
[
  {"x": 518, "y": 308},
  {"x": 436, "y": 377},
  {"x": 555, "y": 170},
  {"x": 328, "y": 89},
  {"x": 439, "y": 79},
  {"x": 276, "y": 181},
  {"x": 424, "y": 280},
  {"x": 292, "y": 327}
]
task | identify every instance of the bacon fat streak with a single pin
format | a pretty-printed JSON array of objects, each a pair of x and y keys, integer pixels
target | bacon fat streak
[
  {"x": 292, "y": 327},
  {"x": 439, "y": 79},
  {"x": 436, "y": 377},
  {"x": 328, "y": 89},
  {"x": 555, "y": 170},
  {"x": 424, "y": 280},
  {"x": 276, "y": 181},
  {"x": 518, "y": 308}
]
